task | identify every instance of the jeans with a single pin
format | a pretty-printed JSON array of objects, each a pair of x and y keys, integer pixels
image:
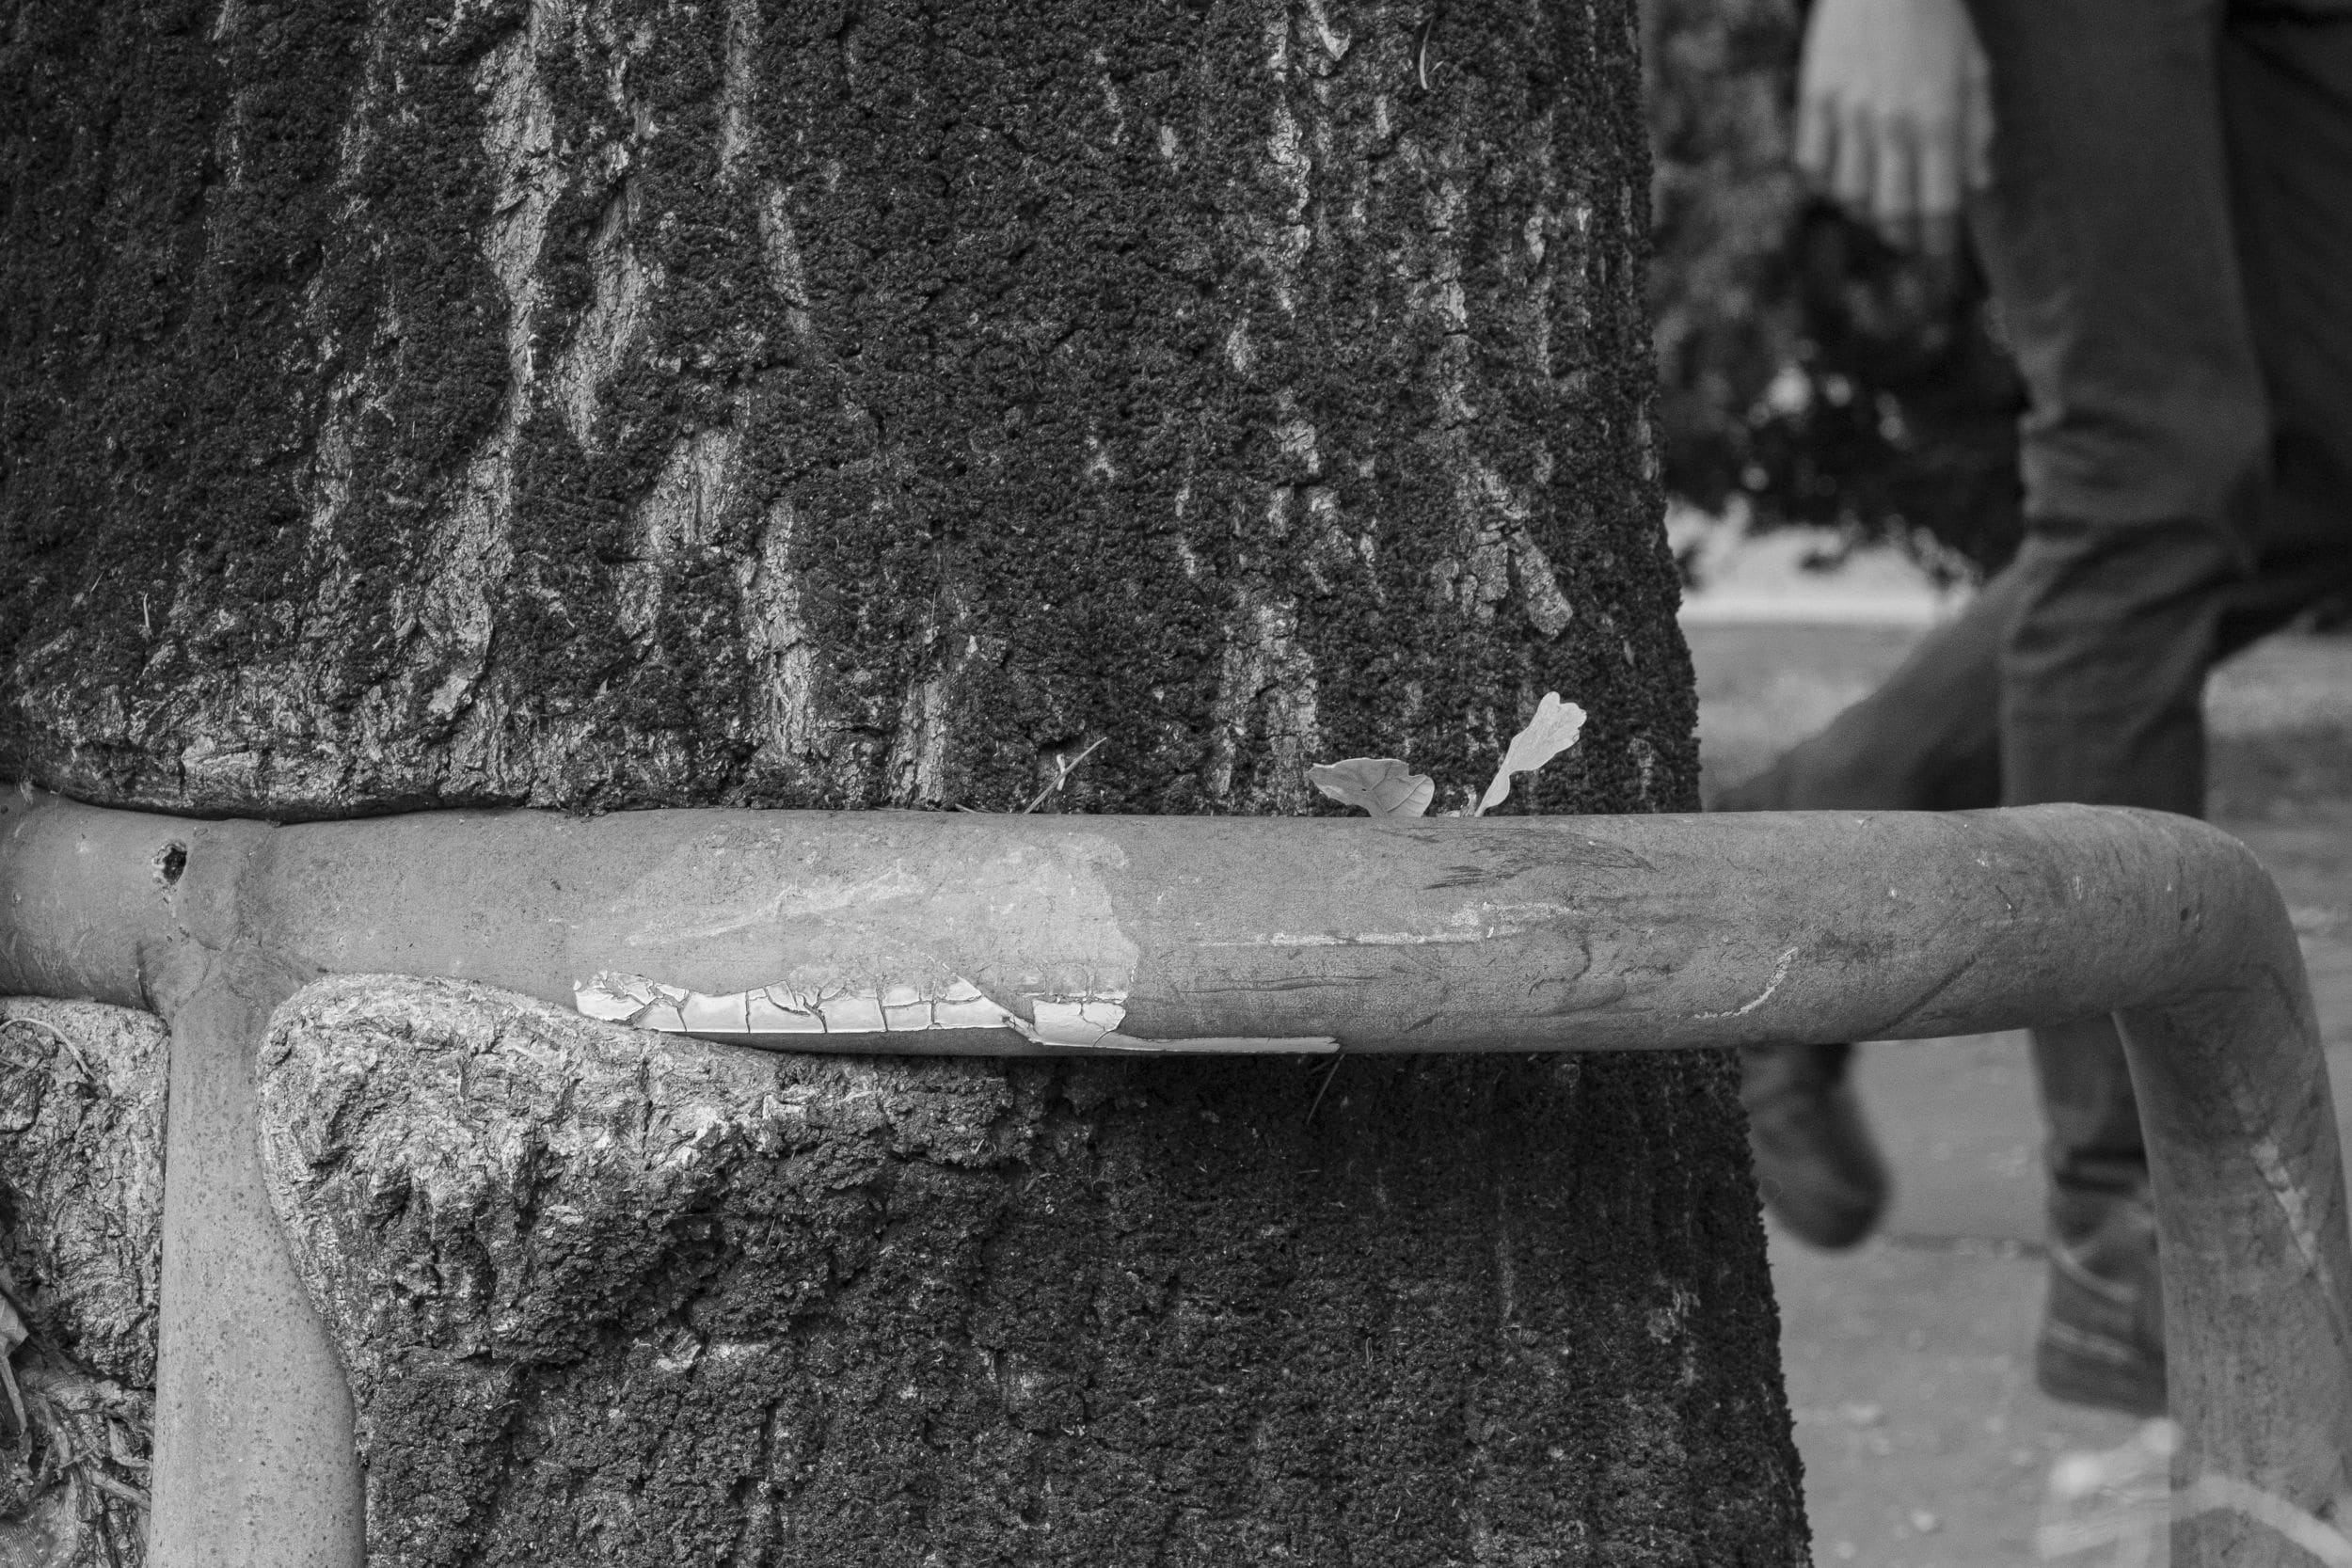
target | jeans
[
  {"x": 2168, "y": 237},
  {"x": 2074, "y": 675}
]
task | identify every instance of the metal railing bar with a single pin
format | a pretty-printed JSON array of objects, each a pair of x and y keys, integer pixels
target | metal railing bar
[{"x": 1418, "y": 935}]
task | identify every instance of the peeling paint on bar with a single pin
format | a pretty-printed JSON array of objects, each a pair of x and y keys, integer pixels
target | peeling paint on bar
[
  {"x": 1077, "y": 1020},
  {"x": 783, "y": 1016}
]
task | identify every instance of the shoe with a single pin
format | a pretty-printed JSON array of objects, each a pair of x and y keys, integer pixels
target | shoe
[
  {"x": 2103, "y": 1331},
  {"x": 1816, "y": 1163}
]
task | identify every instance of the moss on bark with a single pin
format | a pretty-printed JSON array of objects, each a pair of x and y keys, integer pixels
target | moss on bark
[{"x": 820, "y": 405}]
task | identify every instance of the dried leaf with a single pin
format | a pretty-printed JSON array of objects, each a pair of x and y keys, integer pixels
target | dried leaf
[
  {"x": 1553, "y": 730},
  {"x": 1382, "y": 785},
  {"x": 12, "y": 1330},
  {"x": 12, "y": 1334}
]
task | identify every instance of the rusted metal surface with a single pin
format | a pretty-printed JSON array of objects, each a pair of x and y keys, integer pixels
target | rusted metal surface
[{"x": 1512, "y": 934}]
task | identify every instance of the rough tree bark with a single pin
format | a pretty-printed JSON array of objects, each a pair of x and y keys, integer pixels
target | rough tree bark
[{"x": 840, "y": 404}]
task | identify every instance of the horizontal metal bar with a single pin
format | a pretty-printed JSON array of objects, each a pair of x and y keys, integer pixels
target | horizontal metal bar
[
  {"x": 900, "y": 932},
  {"x": 1517, "y": 933}
]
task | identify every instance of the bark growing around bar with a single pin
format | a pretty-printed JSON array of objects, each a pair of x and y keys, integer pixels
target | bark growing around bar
[
  {"x": 654, "y": 1301},
  {"x": 81, "y": 1206},
  {"x": 831, "y": 405}
]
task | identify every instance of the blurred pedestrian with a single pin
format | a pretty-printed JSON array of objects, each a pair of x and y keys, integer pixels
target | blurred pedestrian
[{"x": 2161, "y": 191}]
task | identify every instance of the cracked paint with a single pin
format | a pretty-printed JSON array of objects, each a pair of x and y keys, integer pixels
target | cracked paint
[{"x": 789, "y": 1016}]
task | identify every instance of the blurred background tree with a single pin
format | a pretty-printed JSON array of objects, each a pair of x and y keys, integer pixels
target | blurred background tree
[{"x": 1809, "y": 372}]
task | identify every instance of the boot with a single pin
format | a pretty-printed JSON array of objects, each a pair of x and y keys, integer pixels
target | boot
[
  {"x": 2103, "y": 1330},
  {"x": 1816, "y": 1163}
]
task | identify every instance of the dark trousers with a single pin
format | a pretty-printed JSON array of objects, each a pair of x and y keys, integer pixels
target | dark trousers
[
  {"x": 2169, "y": 239},
  {"x": 2074, "y": 675}
]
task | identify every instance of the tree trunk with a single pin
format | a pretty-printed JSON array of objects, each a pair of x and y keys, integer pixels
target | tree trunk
[
  {"x": 603, "y": 405},
  {"x": 826, "y": 405}
]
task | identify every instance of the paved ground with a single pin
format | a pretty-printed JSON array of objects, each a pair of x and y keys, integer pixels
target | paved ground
[{"x": 1909, "y": 1361}]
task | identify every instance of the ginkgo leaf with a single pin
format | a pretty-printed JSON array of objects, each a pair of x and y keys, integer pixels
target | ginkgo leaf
[
  {"x": 1553, "y": 730},
  {"x": 1382, "y": 785}
]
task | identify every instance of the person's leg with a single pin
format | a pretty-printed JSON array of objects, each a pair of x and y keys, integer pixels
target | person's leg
[
  {"x": 2103, "y": 669},
  {"x": 2102, "y": 679},
  {"x": 2287, "y": 95},
  {"x": 1929, "y": 739},
  {"x": 2127, "y": 274},
  {"x": 2108, "y": 241},
  {"x": 1925, "y": 739},
  {"x": 2112, "y": 244},
  {"x": 2170, "y": 236}
]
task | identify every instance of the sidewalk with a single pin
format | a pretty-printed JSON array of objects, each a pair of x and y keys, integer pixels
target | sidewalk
[{"x": 1910, "y": 1361}]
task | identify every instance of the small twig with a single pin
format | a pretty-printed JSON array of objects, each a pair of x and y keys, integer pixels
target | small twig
[
  {"x": 62, "y": 1037},
  {"x": 1062, "y": 770},
  {"x": 1426, "y": 69},
  {"x": 37, "y": 1024},
  {"x": 104, "y": 1483},
  {"x": 1336, "y": 1057}
]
